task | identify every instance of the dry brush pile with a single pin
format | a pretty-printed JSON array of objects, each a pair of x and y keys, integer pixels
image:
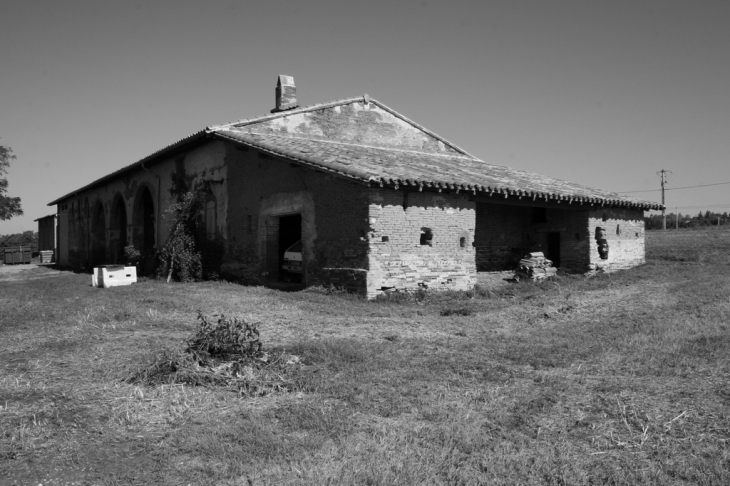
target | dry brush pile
[{"x": 225, "y": 352}]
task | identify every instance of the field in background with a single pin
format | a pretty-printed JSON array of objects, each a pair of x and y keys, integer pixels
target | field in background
[
  {"x": 703, "y": 245},
  {"x": 614, "y": 379}
]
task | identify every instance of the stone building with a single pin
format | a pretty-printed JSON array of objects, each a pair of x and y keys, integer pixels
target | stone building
[{"x": 378, "y": 201}]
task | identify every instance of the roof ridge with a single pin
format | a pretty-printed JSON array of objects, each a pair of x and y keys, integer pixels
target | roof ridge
[
  {"x": 322, "y": 140},
  {"x": 281, "y": 114},
  {"x": 345, "y": 101}
]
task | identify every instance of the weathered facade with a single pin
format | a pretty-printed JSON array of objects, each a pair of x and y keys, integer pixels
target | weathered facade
[{"x": 379, "y": 203}]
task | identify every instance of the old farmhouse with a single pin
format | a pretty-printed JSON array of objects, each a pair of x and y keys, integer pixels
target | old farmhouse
[{"x": 378, "y": 202}]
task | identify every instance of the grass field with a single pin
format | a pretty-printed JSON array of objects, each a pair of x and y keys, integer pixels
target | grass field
[{"x": 614, "y": 379}]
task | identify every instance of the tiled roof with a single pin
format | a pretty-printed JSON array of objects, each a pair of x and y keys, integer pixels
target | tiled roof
[
  {"x": 403, "y": 168},
  {"x": 448, "y": 167}
]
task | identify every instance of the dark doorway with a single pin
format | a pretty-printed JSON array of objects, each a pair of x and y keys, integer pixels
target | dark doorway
[
  {"x": 290, "y": 232},
  {"x": 553, "y": 248},
  {"x": 98, "y": 236}
]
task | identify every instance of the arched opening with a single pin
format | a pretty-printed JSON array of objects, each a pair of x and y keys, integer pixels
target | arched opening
[
  {"x": 98, "y": 236},
  {"x": 118, "y": 231},
  {"x": 144, "y": 221}
]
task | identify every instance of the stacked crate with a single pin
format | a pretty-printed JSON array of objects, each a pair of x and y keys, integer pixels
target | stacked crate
[
  {"x": 46, "y": 256},
  {"x": 535, "y": 266}
]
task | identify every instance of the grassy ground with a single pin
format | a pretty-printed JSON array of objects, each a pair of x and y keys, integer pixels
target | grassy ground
[{"x": 614, "y": 379}]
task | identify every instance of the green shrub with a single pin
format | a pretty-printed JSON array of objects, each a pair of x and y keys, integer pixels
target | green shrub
[{"x": 225, "y": 338}]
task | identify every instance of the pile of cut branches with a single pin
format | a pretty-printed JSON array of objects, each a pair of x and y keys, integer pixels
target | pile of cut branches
[{"x": 224, "y": 352}]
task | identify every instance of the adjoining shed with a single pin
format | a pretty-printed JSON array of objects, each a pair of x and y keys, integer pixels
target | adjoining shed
[
  {"x": 378, "y": 202},
  {"x": 47, "y": 238}
]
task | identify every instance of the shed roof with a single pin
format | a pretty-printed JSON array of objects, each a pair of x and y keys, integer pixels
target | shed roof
[
  {"x": 427, "y": 160},
  {"x": 45, "y": 217}
]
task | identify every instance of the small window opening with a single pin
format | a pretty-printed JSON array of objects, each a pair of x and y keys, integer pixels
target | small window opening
[
  {"x": 462, "y": 242},
  {"x": 386, "y": 239},
  {"x": 539, "y": 215},
  {"x": 618, "y": 229},
  {"x": 426, "y": 237}
]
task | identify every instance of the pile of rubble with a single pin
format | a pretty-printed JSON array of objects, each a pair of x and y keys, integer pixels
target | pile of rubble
[{"x": 535, "y": 267}]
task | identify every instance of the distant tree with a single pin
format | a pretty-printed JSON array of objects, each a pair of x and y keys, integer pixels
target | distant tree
[
  {"x": 9, "y": 206},
  {"x": 26, "y": 238}
]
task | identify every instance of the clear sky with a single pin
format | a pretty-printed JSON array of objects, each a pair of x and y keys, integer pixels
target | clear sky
[{"x": 600, "y": 93}]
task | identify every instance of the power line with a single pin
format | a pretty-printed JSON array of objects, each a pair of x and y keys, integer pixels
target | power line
[
  {"x": 675, "y": 188},
  {"x": 701, "y": 197},
  {"x": 705, "y": 205}
]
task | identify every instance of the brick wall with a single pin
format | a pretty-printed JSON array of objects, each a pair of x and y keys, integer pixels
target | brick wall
[
  {"x": 506, "y": 232},
  {"x": 500, "y": 239},
  {"x": 624, "y": 229},
  {"x": 399, "y": 260}
]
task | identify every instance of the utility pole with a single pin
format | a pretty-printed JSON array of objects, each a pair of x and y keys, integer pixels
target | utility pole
[
  {"x": 663, "y": 175},
  {"x": 676, "y": 218}
]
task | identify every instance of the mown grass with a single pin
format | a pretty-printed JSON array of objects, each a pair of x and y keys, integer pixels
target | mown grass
[{"x": 615, "y": 379}]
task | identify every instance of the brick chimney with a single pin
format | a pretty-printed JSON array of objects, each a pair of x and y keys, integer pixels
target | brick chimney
[{"x": 286, "y": 94}]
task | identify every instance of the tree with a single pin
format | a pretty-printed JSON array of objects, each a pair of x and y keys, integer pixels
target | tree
[{"x": 9, "y": 206}]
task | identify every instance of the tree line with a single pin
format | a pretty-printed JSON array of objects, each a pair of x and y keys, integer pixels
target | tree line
[
  {"x": 26, "y": 238},
  {"x": 708, "y": 218}
]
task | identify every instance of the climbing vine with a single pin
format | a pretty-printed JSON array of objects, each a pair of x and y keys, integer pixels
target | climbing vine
[{"x": 180, "y": 257}]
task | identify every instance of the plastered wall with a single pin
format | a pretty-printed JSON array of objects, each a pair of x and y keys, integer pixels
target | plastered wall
[
  {"x": 263, "y": 188},
  {"x": 356, "y": 122},
  {"x": 86, "y": 239}
]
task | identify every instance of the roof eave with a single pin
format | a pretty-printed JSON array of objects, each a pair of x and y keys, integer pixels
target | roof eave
[{"x": 395, "y": 183}]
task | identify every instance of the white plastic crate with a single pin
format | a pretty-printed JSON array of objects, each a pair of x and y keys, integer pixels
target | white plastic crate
[{"x": 113, "y": 276}]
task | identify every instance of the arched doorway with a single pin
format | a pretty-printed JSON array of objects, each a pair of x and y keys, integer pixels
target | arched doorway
[
  {"x": 98, "y": 236},
  {"x": 144, "y": 221},
  {"x": 118, "y": 231}
]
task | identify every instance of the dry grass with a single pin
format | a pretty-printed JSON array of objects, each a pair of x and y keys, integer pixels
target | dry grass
[{"x": 615, "y": 379}]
